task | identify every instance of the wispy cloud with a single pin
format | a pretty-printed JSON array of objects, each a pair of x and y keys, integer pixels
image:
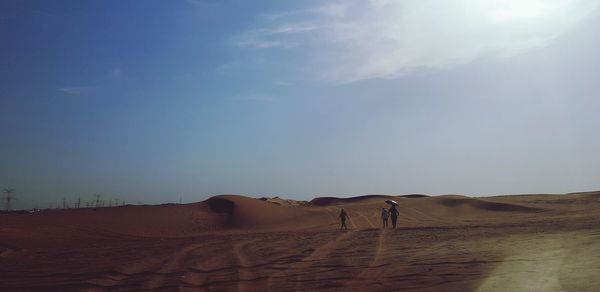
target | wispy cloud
[
  {"x": 227, "y": 67},
  {"x": 77, "y": 90},
  {"x": 354, "y": 40},
  {"x": 260, "y": 39},
  {"x": 115, "y": 73},
  {"x": 275, "y": 37},
  {"x": 199, "y": 3},
  {"x": 254, "y": 96},
  {"x": 282, "y": 83}
]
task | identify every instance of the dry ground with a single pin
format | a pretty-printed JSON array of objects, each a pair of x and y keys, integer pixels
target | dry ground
[{"x": 234, "y": 243}]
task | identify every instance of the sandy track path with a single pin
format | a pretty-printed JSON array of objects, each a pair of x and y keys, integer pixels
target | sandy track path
[
  {"x": 296, "y": 271},
  {"x": 370, "y": 274},
  {"x": 360, "y": 214},
  {"x": 248, "y": 280},
  {"x": 332, "y": 264},
  {"x": 320, "y": 254},
  {"x": 172, "y": 266}
]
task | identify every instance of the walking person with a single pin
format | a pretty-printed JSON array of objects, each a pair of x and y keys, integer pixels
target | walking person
[
  {"x": 384, "y": 217},
  {"x": 394, "y": 215},
  {"x": 343, "y": 216}
]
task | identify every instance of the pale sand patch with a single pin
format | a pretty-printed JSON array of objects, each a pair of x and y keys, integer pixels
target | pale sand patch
[{"x": 547, "y": 262}]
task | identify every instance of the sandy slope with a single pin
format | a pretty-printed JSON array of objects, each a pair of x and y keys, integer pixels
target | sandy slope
[{"x": 445, "y": 243}]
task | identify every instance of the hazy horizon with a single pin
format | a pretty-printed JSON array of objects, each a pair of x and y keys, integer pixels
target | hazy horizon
[{"x": 152, "y": 101}]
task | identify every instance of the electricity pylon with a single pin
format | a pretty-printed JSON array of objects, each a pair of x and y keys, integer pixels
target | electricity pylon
[{"x": 8, "y": 197}]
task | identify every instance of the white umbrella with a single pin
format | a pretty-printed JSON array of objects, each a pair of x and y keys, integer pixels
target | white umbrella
[{"x": 391, "y": 202}]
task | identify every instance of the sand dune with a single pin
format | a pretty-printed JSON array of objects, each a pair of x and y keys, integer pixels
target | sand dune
[
  {"x": 328, "y": 201},
  {"x": 248, "y": 213},
  {"x": 231, "y": 242},
  {"x": 474, "y": 204}
]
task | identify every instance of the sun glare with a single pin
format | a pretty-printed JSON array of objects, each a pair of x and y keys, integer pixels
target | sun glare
[{"x": 506, "y": 10}]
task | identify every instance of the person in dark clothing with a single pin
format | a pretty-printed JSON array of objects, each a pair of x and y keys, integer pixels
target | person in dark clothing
[
  {"x": 343, "y": 216},
  {"x": 394, "y": 215}
]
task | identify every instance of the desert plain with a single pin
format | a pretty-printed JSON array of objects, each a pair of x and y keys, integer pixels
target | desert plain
[{"x": 237, "y": 243}]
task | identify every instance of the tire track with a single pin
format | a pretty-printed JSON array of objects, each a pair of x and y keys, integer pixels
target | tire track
[
  {"x": 245, "y": 275},
  {"x": 172, "y": 266},
  {"x": 366, "y": 274},
  {"x": 319, "y": 254},
  {"x": 422, "y": 215},
  {"x": 366, "y": 219}
]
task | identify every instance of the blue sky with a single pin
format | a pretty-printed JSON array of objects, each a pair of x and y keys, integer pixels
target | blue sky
[{"x": 150, "y": 101}]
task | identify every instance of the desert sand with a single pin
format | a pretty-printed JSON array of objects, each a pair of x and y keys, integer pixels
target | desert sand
[{"x": 236, "y": 243}]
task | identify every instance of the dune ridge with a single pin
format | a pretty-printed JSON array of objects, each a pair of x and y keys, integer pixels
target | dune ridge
[
  {"x": 234, "y": 242},
  {"x": 328, "y": 201},
  {"x": 484, "y": 205}
]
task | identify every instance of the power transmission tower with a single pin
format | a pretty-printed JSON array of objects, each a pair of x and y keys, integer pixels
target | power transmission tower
[
  {"x": 64, "y": 202},
  {"x": 97, "y": 200},
  {"x": 8, "y": 197},
  {"x": 78, "y": 202}
]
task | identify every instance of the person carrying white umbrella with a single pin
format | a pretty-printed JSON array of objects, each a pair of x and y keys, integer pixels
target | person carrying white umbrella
[{"x": 393, "y": 212}]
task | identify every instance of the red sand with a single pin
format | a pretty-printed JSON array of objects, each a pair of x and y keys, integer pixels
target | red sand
[{"x": 446, "y": 243}]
